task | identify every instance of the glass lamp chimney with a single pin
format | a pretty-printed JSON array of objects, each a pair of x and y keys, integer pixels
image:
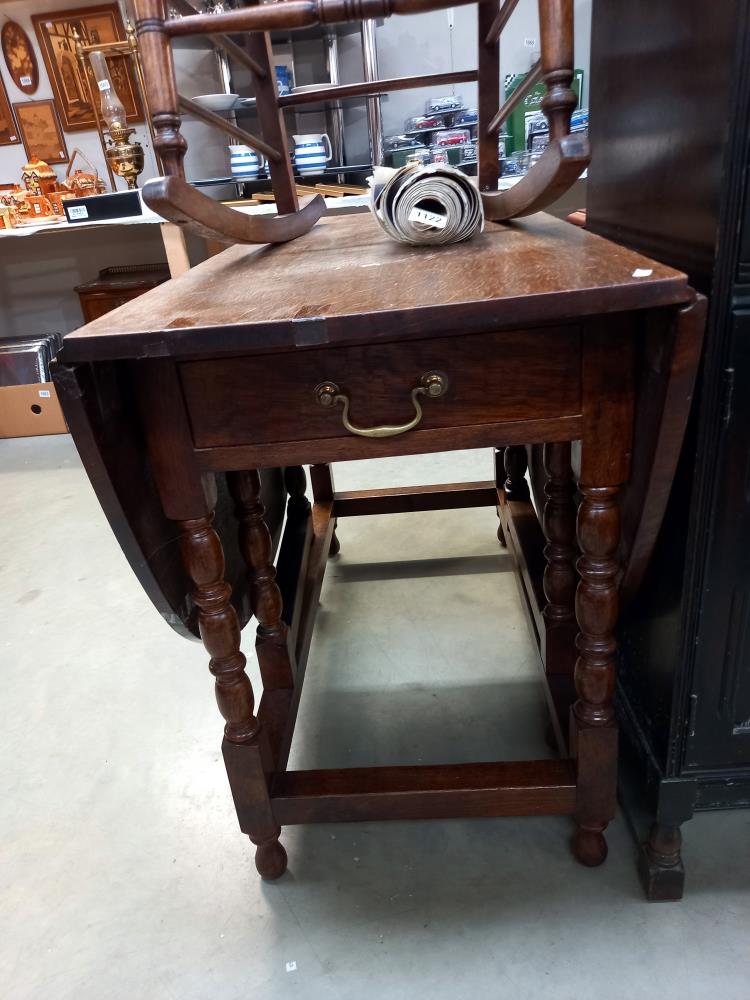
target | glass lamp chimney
[{"x": 112, "y": 109}]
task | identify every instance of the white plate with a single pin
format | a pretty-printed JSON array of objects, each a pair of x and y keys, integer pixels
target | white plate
[
  {"x": 216, "y": 102},
  {"x": 312, "y": 86}
]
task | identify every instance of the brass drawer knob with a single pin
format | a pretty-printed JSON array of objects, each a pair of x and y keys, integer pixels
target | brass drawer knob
[{"x": 432, "y": 384}]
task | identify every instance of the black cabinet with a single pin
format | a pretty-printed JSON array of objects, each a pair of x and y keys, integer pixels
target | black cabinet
[
  {"x": 719, "y": 730},
  {"x": 670, "y": 100}
]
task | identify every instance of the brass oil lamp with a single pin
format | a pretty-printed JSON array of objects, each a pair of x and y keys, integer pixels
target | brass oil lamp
[{"x": 124, "y": 157}]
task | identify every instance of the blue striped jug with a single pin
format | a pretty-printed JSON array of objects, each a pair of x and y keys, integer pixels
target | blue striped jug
[
  {"x": 244, "y": 162},
  {"x": 310, "y": 155}
]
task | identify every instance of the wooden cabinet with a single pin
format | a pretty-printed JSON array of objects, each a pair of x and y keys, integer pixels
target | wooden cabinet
[
  {"x": 669, "y": 176},
  {"x": 117, "y": 285}
]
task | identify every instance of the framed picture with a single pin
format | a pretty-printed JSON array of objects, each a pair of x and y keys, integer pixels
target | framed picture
[
  {"x": 8, "y": 129},
  {"x": 19, "y": 57},
  {"x": 94, "y": 26},
  {"x": 40, "y": 130}
]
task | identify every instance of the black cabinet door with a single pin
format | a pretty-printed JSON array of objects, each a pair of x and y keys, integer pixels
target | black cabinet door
[{"x": 719, "y": 731}]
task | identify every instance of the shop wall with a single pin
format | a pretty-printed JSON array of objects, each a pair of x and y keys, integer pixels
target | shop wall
[{"x": 196, "y": 65}]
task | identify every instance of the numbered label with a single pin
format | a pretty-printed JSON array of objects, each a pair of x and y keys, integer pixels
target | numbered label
[{"x": 426, "y": 218}]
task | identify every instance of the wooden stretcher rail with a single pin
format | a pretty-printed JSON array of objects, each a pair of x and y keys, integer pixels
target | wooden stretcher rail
[
  {"x": 374, "y": 87},
  {"x": 515, "y": 788},
  {"x": 402, "y": 500},
  {"x": 300, "y": 14}
]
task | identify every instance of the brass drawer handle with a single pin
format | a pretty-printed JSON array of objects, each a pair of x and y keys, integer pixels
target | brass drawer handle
[{"x": 432, "y": 384}]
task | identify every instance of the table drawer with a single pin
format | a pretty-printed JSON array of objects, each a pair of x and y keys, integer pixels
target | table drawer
[{"x": 263, "y": 399}]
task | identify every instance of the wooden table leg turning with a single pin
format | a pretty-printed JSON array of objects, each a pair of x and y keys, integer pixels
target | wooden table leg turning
[
  {"x": 264, "y": 795},
  {"x": 246, "y": 749}
]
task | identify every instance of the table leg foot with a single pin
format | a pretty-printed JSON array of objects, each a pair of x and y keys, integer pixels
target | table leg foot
[
  {"x": 589, "y": 846},
  {"x": 270, "y": 859},
  {"x": 335, "y": 544},
  {"x": 501, "y": 535}
]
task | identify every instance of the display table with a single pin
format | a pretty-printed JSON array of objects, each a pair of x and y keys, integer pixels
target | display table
[
  {"x": 345, "y": 345},
  {"x": 173, "y": 239}
]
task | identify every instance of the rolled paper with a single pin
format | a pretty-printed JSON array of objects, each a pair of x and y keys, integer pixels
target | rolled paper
[{"x": 426, "y": 205}]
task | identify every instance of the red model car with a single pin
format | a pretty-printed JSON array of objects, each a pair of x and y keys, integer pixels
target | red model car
[
  {"x": 426, "y": 121},
  {"x": 456, "y": 138}
]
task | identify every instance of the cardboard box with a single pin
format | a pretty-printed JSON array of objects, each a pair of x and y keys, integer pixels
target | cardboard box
[{"x": 30, "y": 410}]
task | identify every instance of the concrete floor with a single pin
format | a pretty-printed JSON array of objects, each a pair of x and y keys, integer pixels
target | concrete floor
[{"x": 123, "y": 874}]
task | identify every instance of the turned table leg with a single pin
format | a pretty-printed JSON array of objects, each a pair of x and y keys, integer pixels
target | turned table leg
[
  {"x": 560, "y": 578},
  {"x": 608, "y": 377},
  {"x": 593, "y": 719},
  {"x": 516, "y": 463},
  {"x": 272, "y": 635},
  {"x": 245, "y": 748},
  {"x": 188, "y": 498},
  {"x": 295, "y": 482},
  {"x": 511, "y": 464}
]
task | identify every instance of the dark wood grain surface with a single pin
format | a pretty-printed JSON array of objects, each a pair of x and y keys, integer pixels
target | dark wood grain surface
[{"x": 346, "y": 281}]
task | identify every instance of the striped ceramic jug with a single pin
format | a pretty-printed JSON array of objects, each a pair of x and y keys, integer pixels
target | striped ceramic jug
[
  {"x": 245, "y": 162},
  {"x": 310, "y": 153}
]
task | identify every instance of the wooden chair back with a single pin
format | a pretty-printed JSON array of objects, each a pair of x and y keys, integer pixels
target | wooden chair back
[{"x": 172, "y": 197}]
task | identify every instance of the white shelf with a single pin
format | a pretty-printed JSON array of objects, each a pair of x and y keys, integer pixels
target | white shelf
[{"x": 149, "y": 218}]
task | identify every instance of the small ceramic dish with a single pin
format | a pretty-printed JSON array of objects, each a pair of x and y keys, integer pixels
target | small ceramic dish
[{"x": 217, "y": 102}]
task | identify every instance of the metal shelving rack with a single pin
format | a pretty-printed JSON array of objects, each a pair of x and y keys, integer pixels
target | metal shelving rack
[
  {"x": 328, "y": 97},
  {"x": 322, "y": 100}
]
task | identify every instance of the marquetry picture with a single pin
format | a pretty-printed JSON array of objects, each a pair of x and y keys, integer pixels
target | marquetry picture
[
  {"x": 40, "y": 130},
  {"x": 8, "y": 130},
  {"x": 57, "y": 33},
  {"x": 19, "y": 57}
]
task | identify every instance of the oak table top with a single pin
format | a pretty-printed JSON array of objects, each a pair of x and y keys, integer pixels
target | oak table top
[{"x": 346, "y": 281}]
